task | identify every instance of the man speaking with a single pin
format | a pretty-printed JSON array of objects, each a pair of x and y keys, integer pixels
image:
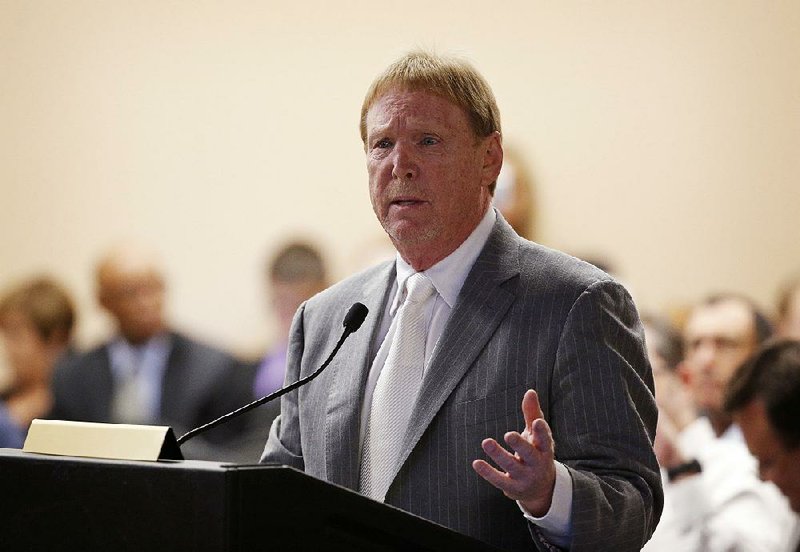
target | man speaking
[{"x": 498, "y": 387}]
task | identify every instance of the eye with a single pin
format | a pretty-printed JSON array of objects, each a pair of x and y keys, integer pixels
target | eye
[
  {"x": 429, "y": 141},
  {"x": 727, "y": 344},
  {"x": 383, "y": 144}
]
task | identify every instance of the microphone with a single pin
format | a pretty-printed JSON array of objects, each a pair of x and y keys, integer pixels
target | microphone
[{"x": 352, "y": 322}]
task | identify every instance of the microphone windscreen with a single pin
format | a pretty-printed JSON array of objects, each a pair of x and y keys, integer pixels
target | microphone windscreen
[{"x": 355, "y": 317}]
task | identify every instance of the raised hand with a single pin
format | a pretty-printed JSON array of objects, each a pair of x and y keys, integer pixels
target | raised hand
[{"x": 528, "y": 474}]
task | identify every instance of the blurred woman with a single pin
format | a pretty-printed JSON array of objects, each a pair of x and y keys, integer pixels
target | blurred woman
[{"x": 36, "y": 322}]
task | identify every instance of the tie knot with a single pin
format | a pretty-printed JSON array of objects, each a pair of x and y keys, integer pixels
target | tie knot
[{"x": 418, "y": 288}]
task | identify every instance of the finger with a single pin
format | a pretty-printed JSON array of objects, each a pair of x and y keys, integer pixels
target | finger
[
  {"x": 525, "y": 449},
  {"x": 504, "y": 459},
  {"x": 530, "y": 407},
  {"x": 508, "y": 485},
  {"x": 488, "y": 472},
  {"x": 542, "y": 436}
]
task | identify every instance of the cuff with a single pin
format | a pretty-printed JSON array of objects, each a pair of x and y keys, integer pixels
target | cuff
[{"x": 556, "y": 524}]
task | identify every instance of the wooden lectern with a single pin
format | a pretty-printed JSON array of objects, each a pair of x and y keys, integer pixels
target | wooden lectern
[{"x": 68, "y": 503}]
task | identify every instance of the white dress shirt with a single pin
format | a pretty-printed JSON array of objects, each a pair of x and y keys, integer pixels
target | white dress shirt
[{"x": 725, "y": 508}]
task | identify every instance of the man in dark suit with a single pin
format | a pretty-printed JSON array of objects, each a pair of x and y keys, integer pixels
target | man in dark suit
[
  {"x": 500, "y": 320},
  {"x": 149, "y": 374}
]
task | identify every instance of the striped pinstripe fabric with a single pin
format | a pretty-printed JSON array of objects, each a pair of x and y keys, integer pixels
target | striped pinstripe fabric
[{"x": 527, "y": 317}]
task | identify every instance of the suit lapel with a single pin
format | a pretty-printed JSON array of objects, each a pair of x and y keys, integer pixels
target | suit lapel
[
  {"x": 482, "y": 304},
  {"x": 103, "y": 387},
  {"x": 351, "y": 369},
  {"x": 175, "y": 379}
]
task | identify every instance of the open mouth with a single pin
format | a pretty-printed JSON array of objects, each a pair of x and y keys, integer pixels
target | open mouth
[{"x": 406, "y": 202}]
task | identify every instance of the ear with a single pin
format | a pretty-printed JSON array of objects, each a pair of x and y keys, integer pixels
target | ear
[
  {"x": 107, "y": 301},
  {"x": 492, "y": 148},
  {"x": 103, "y": 300}
]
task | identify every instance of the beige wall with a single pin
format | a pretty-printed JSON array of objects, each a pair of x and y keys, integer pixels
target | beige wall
[{"x": 664, "y": 135}]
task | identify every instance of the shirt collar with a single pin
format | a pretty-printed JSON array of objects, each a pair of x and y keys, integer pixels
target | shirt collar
[
  {"x": 124, "y": 355},
  {"x": 449, "y": 274}
]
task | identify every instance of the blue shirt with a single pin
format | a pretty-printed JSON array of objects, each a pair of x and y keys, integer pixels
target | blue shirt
[{"x": 11, "y": 435}]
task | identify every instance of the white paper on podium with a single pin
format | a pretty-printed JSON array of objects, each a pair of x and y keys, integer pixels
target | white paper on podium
[{"x": 96, "y": 440}]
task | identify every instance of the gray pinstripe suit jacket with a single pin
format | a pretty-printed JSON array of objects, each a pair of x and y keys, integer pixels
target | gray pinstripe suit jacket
[{"x": 527, "y": 317}]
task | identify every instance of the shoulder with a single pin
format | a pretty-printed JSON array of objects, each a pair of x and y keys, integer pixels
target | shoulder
[
  {"x": 354, "y": 286},
  {"x": 78, "y": 370},
  {"x": 368, "y": 287},
  {"x": 189, "y": 349},
  {"x": 92, "y": 359},
  {"x": 539, "y": 267},
  {"x": 537, "y": 259},
  {"x": 548, "y": 272}
]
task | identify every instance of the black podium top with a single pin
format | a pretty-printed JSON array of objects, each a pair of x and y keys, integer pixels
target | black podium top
[{"x": 68, "y": 503}]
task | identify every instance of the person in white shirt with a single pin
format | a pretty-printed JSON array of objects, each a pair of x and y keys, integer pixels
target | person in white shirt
[
  {"x": 764, "y": 398},
  {"x": 714, "y": 497}
]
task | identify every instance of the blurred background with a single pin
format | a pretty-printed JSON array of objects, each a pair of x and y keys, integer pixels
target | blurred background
[{"x": 661, "y": 138}]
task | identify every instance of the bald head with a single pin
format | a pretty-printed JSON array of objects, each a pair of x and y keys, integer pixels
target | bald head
[{"x": 130, "y": 286}]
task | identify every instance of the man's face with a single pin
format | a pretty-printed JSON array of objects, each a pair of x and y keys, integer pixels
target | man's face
[
  {"x": 135, "y": 297},
  {"x": 428, "y": 173},
  {"x": 776, "y": 463},
  {"x": 718, "y": 339}
]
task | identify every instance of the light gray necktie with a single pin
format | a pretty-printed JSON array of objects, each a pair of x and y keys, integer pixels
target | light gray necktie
[{"x": 395, "y": 391}]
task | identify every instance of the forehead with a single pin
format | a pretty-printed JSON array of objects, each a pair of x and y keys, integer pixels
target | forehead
[
  {"x": 118, "y": 280},
  {"x": 14, "y": 318},
  {"x": 415, "y": 108},
  {"x": 726, "y": 318}
]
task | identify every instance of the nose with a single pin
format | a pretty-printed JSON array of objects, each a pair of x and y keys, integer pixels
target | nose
[
  {"x": 704, "y": 355},
  {"x": 404, "y": 165}
]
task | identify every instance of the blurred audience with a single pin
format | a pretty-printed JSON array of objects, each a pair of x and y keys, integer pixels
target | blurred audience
[
  {"x": 665, "y": 353},
  {"x": 788, "y": 322},
  {"x": 719, "y": 389},
  {"x": 764, "y": 398},
  {"x": 720, "y": 334},
  {"x": 675, "y": 408},
  {"x": 513, "y": 196},
  {"x": 294, "y": 274},
  {"x": 36, "y": 321},
  {"x": 716, "y": 501},
  {"x": 149, "y": 373}
]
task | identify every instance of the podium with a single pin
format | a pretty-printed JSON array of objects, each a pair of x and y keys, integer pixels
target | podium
[{"x": 69, "y": 503}]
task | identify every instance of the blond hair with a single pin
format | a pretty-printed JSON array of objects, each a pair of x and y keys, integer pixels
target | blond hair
[{"x": 451, "y": 78}]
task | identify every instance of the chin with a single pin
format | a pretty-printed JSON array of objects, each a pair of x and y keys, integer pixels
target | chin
[{"x": 408, "y": 234}]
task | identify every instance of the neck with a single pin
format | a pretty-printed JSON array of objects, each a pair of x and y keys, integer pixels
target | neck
[
  {"x": 423, "y": 255},
  {"x": 719, "y": 423},
  {"x": 420, "y": 259},
  {"x": 136, "y": 339}
]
